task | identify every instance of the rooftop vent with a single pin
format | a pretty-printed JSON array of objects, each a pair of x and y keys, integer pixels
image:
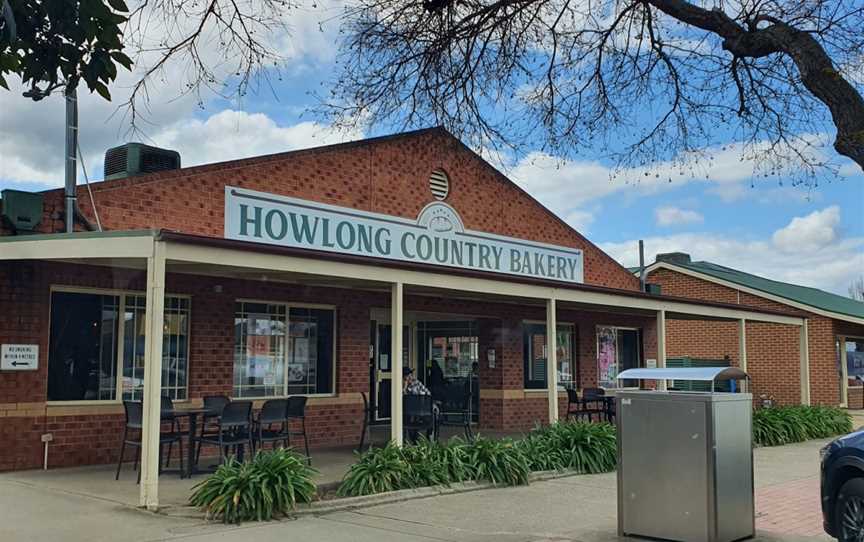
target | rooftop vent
[
  {"x": 136, "y": 159},
  {"x": 439, "y": 184},
  {"x": 674, "y": 257}
]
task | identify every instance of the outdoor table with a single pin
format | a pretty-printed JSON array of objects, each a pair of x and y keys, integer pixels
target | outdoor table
[{"x": 192, "y": 413}]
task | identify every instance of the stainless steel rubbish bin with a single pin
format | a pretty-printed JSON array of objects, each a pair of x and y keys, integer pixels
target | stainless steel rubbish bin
[{"x": 685, "y": 465}]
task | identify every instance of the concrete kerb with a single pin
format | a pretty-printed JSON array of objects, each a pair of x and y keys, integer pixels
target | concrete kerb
[{"x": 317, "y": 508}]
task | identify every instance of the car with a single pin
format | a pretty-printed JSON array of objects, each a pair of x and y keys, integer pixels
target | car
[{"x": 842, "y": 482}]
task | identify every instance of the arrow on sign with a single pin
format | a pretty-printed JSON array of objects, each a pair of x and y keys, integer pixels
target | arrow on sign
[{"x": 17, "y": 363}]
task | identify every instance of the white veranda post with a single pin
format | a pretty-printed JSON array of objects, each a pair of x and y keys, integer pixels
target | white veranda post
[
  {"x": 742, "y": 344},
  {"x": 804, "y": 342},
  {"x": 661, "y": 345},
  {"x": 396, "y": 363},
  {"x": 153, "y": 322},
  {"x": 552, "y": 360}
]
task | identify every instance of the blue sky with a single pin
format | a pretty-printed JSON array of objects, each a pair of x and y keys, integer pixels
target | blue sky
[{"x": 808, "y": 236}]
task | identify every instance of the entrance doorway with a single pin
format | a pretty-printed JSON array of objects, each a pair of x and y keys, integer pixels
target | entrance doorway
[
  {"x": 851, "y": 369},
  {"x": 381, "y": 363},
  {"x": 449, "y": 354},
  {"x": 443, "y": 354}
]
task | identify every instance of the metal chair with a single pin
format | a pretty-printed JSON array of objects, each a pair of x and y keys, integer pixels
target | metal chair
[
  {"x": 368, "y": 417},
  {"x": 234, "y": 429},
  {"x": 271, "y": 424},
  {"x": 215, "y": 404},
  {"x": 593, "y": 402},
  {"x": 573, "y": 403},
  {"x": 134, "y": 423},
  {"x": 456, "y": 403},
  {"x": 417, "y": 416},
  {"x": 297, "y": 411}
]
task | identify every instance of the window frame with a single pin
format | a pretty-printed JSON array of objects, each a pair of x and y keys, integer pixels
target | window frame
[
  {"x": 288, "y": 305},
  {"x": 639, "y": 352},
  {"x": 120, "y": 337},
  {"x": 574, "y": 340}
]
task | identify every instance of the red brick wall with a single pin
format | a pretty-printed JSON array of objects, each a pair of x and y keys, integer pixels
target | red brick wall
[
  {"x": 90, "y": 434},
  {"x": 387, "y": 176},
  {"x": 773, "y": 351}
]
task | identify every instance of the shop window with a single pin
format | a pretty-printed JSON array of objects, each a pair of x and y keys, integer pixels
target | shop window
[
  {"x": 282, "y": 350},
  {"x": 534, "y": 348},
  {"x": 95, "y": 337},
  {"x": 617, "y": 349}
]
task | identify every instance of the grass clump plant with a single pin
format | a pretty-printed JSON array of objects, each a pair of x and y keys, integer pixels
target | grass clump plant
[
  {"x": 268, "y": 486},
  {"x": 785, "y": 425}
]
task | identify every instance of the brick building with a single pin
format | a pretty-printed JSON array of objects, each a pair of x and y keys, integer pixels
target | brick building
[
  {"x": 300, "y": 274},
  {"x": 834, "y": 331}
]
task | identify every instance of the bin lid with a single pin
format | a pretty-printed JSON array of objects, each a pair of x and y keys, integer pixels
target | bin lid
[{"x": 706, "y": 374}]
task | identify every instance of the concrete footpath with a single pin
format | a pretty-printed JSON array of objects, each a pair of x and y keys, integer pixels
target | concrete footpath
[{"x": 576, "y": 508}]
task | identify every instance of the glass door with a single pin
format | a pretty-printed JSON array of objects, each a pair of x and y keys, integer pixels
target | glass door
[
  {"x": 448, "y": 356},
  {"x": 382, "y": 367}
]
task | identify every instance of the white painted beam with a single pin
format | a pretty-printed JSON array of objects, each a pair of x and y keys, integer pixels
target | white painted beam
[
  {"x": 804, "y": 343},
  {"x": 552, "y": 359},
  {"x": 742, "y": 344},
  {"x": 396, "y": 295},
  {"x": 152, "y": 395},
  {"x": 661, "y": 345}
]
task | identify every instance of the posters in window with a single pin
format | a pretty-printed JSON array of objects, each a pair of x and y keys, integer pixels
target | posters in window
[{"x": 607, "y": 356}]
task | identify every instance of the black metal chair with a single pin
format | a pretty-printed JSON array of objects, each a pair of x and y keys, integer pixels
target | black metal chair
[
  {"x": 297, "y": 411},
  {"x": 455, "y": 400},
  {"x": 167, "y": 414},
  {"x": 134, "y": 424},
  {"x": 574, "y": 405},
  {"x": 271, "y": 424},
  {"x": 214, "y": 404},
  {"x": 368, "y": 418},
  {"x": 234, "y": 429},
  {"x": 593, "y": 402},
  {"x": 417, "y": 416}
]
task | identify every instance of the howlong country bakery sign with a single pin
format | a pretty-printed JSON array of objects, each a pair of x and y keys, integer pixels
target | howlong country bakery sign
[{"x": 437, "y": 237}]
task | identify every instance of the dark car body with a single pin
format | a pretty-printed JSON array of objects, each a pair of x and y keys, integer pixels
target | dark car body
[{"x": 842, "y": 460}]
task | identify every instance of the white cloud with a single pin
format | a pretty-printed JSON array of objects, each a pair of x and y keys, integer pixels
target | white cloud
[
  {"x": 831, "y": 265},
  {"x": 809, "y": 233},
  {"x": 232, "y": 134},
  {"x": 32, "y": 133},
  {"x": 669, "y": 215},
  {"x": 580, "y": 220}
]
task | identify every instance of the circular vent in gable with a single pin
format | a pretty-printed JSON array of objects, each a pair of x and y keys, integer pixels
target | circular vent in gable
[{"x": 439, "y": 184}]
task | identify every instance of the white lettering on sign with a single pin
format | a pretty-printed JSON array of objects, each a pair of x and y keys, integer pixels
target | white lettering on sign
[
  {"x": 437, "y": 237},
  {"x": 19, "y": 357}
]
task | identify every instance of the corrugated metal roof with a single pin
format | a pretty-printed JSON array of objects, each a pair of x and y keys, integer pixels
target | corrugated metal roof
[{"x": 812, "y": 297}]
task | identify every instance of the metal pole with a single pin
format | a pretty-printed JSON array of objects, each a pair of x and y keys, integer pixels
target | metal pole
[
  {"x": 552, "y": 359},
  {"x": 396, "y": 363},
  {"x": 152, "y": 393},
  {"x": 71, "y": 165},
  {"x": 641, "y": 265}
]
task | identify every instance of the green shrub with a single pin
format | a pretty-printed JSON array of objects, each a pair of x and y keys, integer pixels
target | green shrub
[
  {"x": 498, "y": 461},
  {"x": 271, "y": 484},
  {"x": 584, "y": 447},
  {"x": 377, "y": 470},
  {"x": 785, "y": 425}
]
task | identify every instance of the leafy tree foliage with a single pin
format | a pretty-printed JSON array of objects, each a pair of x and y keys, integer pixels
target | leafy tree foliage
[
  {"x": 53, "y": 44},
  {"x": 653, "y": 82}
]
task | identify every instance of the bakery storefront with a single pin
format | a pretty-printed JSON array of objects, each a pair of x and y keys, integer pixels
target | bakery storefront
[{"x": 305, "y": 273}]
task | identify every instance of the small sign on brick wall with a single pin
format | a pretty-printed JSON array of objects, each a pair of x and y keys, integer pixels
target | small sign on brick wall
[{"x": 19, "y": 357}]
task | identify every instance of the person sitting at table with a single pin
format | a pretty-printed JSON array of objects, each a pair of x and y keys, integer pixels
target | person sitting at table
[{"x": 412, "y": 386}]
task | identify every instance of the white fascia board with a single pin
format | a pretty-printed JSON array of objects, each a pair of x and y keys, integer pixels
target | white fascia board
[
  {"x": 58, "y": 248},
  {"x": 220, "y": 256}
]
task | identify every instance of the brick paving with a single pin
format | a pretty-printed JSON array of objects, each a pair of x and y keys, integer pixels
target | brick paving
[{"x": 790, "y": 508}]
